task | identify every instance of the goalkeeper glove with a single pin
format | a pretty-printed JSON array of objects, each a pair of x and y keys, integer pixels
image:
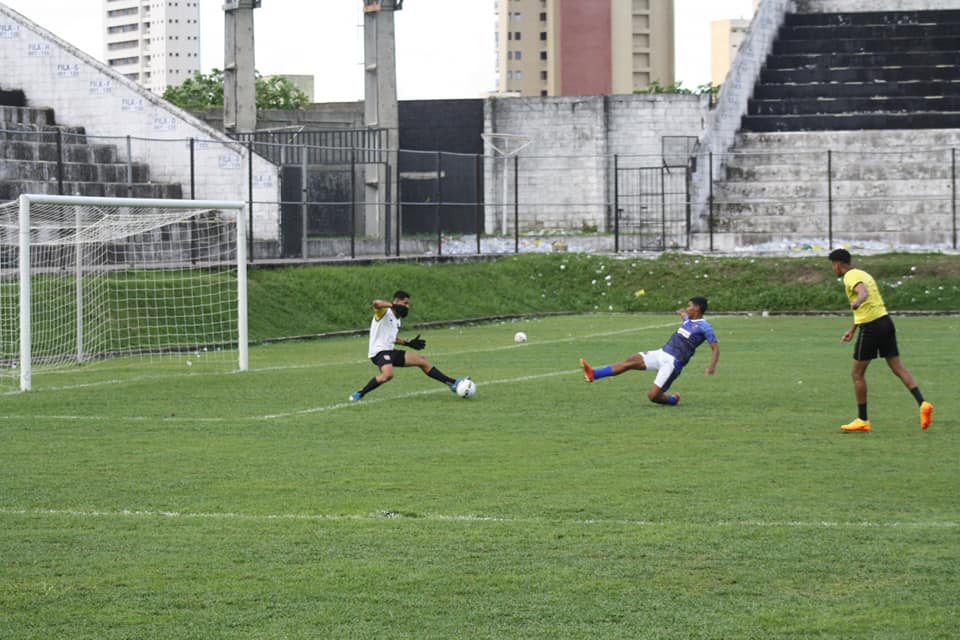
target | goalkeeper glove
[{"x": 417, "y": 343}]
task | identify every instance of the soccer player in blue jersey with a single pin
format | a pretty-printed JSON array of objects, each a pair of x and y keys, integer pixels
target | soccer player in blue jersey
[
  {"x": 876, "y": 337},
  {"x": 669, "y": 360},
  {"x": 382, "y": 349}
]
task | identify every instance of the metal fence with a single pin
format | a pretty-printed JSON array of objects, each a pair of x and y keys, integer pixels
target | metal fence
[{"x": 449, "y": 203}]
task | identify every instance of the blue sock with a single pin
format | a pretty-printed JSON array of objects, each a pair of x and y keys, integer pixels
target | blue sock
[{"x": 603, "y": 372}]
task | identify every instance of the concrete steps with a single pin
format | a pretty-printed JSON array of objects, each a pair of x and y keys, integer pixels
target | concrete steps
[
  {"x": 860, "y": 71},
  {"x": 37, "y": 155},
  {"x": 890, "y": 186}
]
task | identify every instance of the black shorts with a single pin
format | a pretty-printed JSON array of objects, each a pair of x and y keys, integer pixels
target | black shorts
[
  {"x": 394, "y": 356},
  {"x": 876, "y": 338}
]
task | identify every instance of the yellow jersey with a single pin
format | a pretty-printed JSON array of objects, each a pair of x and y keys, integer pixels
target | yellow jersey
[{"x": 873, "y": 307}]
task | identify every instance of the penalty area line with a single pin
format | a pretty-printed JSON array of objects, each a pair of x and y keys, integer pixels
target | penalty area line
[{"x": 391, "y": 515}]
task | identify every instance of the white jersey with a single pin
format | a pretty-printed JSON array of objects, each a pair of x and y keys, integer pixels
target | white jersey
[{"x": 383, "y": 331}]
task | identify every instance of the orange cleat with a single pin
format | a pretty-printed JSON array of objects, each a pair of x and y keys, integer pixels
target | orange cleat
[
  {"x": 856, "y": 425},
  {"x": 587, "y": 370},
  {"x": 926, "y": 415}
]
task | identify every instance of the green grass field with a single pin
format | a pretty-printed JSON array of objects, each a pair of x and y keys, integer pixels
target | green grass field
[{"x": 170, "y": 503}]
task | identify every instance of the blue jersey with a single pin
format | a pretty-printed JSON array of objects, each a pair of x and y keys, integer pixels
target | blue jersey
[{"x": 690, "y": 335}]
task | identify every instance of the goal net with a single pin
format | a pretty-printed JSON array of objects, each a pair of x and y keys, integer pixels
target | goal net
[{"x": 100, "y": 283}]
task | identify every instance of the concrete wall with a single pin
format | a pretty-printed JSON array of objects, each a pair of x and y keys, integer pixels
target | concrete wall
[
  {"x": 565, "y": 171},
  {"x": 84, "y": 92}
]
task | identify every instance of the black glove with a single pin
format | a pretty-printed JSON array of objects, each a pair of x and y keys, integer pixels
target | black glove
[{"x": 417, "y": 343}]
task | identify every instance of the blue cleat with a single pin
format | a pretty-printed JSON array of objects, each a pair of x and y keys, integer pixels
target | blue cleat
[{"x": 355, "y": 396}]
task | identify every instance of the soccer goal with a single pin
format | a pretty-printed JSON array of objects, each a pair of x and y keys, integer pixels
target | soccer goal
[{"x": 89, "y": 283}]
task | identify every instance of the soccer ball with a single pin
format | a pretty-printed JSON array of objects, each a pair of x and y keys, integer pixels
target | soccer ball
[
  {"x": 519, "y": 337},
  {"x": 466, "y": 388}
]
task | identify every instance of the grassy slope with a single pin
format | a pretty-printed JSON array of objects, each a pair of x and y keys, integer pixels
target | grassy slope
[{"x": 307, "y": 300}]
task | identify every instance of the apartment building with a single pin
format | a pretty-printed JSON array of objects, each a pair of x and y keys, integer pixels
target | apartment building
[
  {"x": 726, "y": 36},
  {"x": 583, "y": 47},
  {"x": 153, "y": 42}
]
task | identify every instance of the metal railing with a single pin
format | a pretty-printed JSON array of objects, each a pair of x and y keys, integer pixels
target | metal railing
[{"x": 450, "y": 203}]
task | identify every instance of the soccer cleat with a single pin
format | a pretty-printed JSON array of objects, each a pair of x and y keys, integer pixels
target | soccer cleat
[
  {"x": 676, "y": 399},
  {"x": 587, "y": 370},
  {"x": 453, "y": 385},
  {"x": 857, "y": 425},
  {"x": 926, "y": 415},
  {"x": 355, "y": 396}
]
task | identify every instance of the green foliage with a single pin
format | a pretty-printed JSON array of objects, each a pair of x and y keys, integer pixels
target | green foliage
[
  {"x": 677, "y": 87},
  {"x": 307, "y": 300},
  {"x": 263, "y": 505},
  {"x": 206, "y": 90}
]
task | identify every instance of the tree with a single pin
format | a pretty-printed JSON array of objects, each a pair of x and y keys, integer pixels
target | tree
[{"x": 206, "y": 90}]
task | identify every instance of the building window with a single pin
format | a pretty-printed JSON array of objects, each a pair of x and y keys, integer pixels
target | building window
[
  {"x": 543, "y": 35},
  {"x": 543, "y": 55},
  {"x": 543, "y": 16},
  {"x": 516, "y": 35},
  {"x": 517, "y": 55},
  {"x": 543, "y": 76}
]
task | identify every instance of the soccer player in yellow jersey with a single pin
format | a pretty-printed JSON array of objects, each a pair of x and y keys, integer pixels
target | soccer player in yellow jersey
[
  {"x": 877, "y": 336},
  {"x": 383, "y": 352}
]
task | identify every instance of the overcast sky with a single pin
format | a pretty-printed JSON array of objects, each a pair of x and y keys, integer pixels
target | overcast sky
[{"x": 324, "y": 39}]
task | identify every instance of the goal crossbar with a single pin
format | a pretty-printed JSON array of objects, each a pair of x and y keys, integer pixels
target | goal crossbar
[{"x": 76, "y": 236}]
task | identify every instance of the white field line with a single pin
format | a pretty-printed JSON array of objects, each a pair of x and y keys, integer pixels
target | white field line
[
  {"x": 339, "y": 405},
  {"x": 390, "y": 515}
]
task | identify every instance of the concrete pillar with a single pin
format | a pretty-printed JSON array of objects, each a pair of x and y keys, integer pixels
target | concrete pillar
[
  {"x": 239, "y": 70},
  {"x": 380, "y": 112}
]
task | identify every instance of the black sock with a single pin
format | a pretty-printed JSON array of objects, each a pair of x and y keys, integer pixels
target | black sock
[
  {"x": 373, "y": 384},
  {"x": 917, "y": 395},
  {"x": 862, "y": 411},
  {"x": 436, "y": 374}
]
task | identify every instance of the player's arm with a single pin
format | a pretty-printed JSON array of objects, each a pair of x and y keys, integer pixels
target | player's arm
[
  {"x": 714, "y": 356},
  {"x": 848, "y": 336},
  {"x": 861, "y": 290},
  {"x": 380, "y": 308}
]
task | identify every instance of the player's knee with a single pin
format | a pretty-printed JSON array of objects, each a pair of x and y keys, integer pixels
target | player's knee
[{"x": 385, "y": 376}]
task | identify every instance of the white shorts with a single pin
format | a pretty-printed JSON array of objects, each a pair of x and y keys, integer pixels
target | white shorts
[{"x": 664, "y": 364}]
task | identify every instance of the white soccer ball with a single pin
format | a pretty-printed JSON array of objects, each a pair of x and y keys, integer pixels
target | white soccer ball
[
  {"x": 519, "y": 337},
  {"x": 466, "y": 388}
]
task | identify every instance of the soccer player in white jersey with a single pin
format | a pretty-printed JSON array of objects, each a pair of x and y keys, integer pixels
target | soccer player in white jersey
[
  {"x": 382, "y": 350},
  {"x": 669, "y": 360},
  {"x": 876, "y": 337}
]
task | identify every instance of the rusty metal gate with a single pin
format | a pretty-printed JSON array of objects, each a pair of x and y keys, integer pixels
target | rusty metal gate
[{"x": 651, "y": 208}]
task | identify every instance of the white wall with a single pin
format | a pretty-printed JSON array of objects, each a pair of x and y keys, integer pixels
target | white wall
[
  {"x": 566, "y": 169},
  {"x": 84, "y": 92}
]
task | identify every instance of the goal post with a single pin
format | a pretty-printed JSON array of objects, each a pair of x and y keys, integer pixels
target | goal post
[{"x": 89, "y": 280}]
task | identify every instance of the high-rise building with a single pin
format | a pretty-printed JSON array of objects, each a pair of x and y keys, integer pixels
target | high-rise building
[
  {"x": 153, "y": 42},
  {"x": 583, "y": 47},
  {"x": 726, "y": 36}
]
